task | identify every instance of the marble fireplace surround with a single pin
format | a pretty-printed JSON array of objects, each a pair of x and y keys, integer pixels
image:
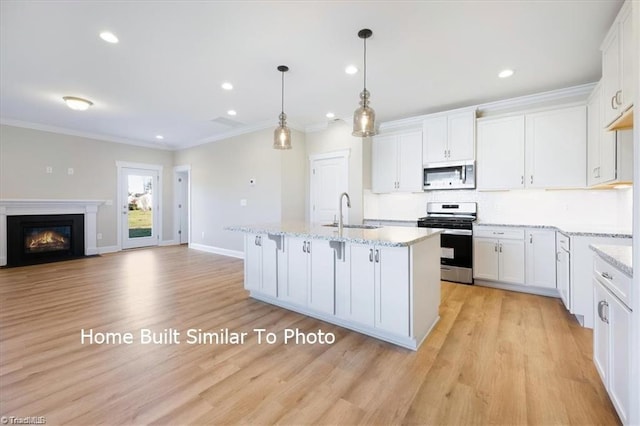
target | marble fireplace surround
[{"x": 13, "y": 207}]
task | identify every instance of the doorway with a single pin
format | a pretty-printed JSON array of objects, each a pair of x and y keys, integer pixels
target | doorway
[
  {"x": 139, "y": 201},
  {"x": 182, "y": 203},
  {"x": 329, "y": 178}
]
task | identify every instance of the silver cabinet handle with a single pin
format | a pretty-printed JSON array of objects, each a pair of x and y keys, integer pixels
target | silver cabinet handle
[
  {"x": 606, "y": 316},
  {"x": 531, "y": 178},
  {"x": 377, "y": 256},
  {"x": 498, "y": 233},
  {"x": 557, "y": 256},
  {"x": 495, "y": 248},
  {"x": 260, "y": 240},
  {"x": 618, "y": 95},
  {"x": 255, "y": 242},
  {"x": 445, "y": 153},
  {"x": 304, "y": 246},
  {"x": 500, "y": 248},
  {"x": 530, "y": 238},
  {"x": 607, "y": 275},
  {"x": 370, "y": 255},
  {"x": 601, "y": 306},
  {"x": 522, "y": 180},
  {"x": 308, "y": 246},
  {"x": 613, "y": 106}
]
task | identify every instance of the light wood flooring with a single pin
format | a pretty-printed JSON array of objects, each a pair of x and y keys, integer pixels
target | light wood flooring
[{"x": 496, "y": 357}]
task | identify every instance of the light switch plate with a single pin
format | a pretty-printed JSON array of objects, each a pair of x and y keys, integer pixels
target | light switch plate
[{"x": 243, "y": 202}]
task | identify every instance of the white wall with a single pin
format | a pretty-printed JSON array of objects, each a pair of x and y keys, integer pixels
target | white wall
[
  {"x": 220, "y": 175},
  {"x": 338, "y": 137},
  {"x": 26, "y": 153},
  {"x": 594, "y": 208}
]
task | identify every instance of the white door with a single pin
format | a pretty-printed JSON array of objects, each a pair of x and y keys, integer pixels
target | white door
[
  {"x": 322, "y": 277},
  {"x": 361, "y": 294},
  {"x": 563, "y": 276},
  {"x": 410, "y": 176},
  {"x": 541, "y": 259},
  {"x": 434, "y": 148},
  {"x": 182, "y": 212},
  {"x": 460, "y": 135},
  {"x": 511, "y": 265},
  {"x": 485, "y": 259},
  {"x": 329, "y": 179},
  {"x": 384, "y": 164},
  {"x": 140, "y": 206},
  {"x": 298, "y": 271},
  {"x": 392, "y": 289},
  {"x": 600, "y": 332}
]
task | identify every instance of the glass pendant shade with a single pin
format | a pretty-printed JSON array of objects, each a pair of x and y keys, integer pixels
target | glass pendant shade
[
  {"x": 364, "y": 118},
  {"x": 282, "y": 134}
]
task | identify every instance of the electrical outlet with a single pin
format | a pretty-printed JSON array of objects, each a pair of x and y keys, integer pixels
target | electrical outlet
[
  {"x": 49, "y": 169},
  {"x": 70, "y": 171},
  {"x": 99, "y": 236}
]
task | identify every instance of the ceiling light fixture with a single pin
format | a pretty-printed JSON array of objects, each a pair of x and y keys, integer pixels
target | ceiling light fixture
[
  {"x": 109, "y": 37},
  {"x": 232, "y": 112},
  {"x": 351, "y": 69},
  {"x": 282, "y": 135},
  {"x": 159, "y": 137},
  {"x": 330, "y": 115},
  {"x": 505, "y": 73},
  {"x": 77, "y": 104},
  {"x": 227, "y": 86},
  {"x": 364, "y": 117}
]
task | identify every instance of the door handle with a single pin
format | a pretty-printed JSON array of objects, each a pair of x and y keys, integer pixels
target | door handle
[
  {"x": 600, "y": 304},
  {"x": 500, "y": 248},
  {"x": 308, "y": 246},
  {"x": 260, "y": 240},
  {"x": 530, "y": 238},
  {"x": 255, "y": 242},
  {"x": 522, "y": 180},
  {"x": 370, "y": 255},
  {"x": 495, "y": 248},
  {"x": 618, "y": 94},
  {"x": 531, "y": 178},
  {"x": 377, "y": 256},
  {"x": 613, "y": 106},
  {"x": 557, "y": 256},
  {"x": 304, "y": 246}
]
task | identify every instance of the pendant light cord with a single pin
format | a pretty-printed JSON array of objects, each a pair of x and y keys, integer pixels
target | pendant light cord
[
  {"x": 365, "y": 64},
  {"x": 283, "y": 92}
]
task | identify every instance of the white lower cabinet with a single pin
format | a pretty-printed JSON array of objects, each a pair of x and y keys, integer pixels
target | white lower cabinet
[
  {"x": 540, "y": 258},
  {"x": 563, "y": 269},
  {"x": 260, "y": 264},
  {"x": 498, "y": 255},
  {"x": 612, "y": 345},
  {"x": 375, "y": 292},
  {"x": 310, "y": 279}
]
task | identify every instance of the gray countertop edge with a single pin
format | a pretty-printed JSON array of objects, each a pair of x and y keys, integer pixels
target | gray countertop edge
[
  {"x": 612, "y": 258},
  {"x": 344, "y": 238},
  {"x": 565, "y": 232}
]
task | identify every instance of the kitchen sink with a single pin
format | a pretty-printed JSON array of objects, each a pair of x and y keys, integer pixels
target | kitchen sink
[{"x": 335, "y": 225}]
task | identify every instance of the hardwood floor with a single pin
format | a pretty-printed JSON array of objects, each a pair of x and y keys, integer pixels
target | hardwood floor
[{"x": 495, "y": 357}]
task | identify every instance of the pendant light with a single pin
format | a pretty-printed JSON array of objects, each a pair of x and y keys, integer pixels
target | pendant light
[
  {"x": 282, "y": 135},
  {"x": 364, "y": 117}
]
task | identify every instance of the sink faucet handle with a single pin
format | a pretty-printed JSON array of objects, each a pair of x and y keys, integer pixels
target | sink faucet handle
[{"x": 335, "y": 219}]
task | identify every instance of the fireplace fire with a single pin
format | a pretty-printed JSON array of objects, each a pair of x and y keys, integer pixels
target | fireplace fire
[{"x": 35, "y": 239}]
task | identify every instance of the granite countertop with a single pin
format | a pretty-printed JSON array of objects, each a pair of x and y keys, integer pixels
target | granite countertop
[
  {"x": 390, "y": 236},
  {"x": 619, "y": 257},
  {"x": 570, "y": 230}
]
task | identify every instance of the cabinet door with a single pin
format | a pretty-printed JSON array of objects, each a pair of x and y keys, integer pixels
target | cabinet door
[
  {"x": 562, "y": 277},
  {"x": 600, "y": 332},
  {"x": 501, "y": 153},
  {"x": 541, "y": 258},
  {"x": 485, "y": 258},
  {"x": 359, "y": 300},
  {"x": 392, "y": 289},
  {"x": 434, "y": 132},
  {"x": 556, "y": 143},
  {"x": 625, "y": 100},
  {"x": 511, "y": 264},
  {"x": 384, "y": 164},
  {"x": 252, "y": 263},
  {"x": 461, "y": 140},
  {"x": 619, "y": 360},
  {"x": 594, "y": 133},
  {"x": 410, "y": 176},
  {"x": 322, "y": 276},
  {"x": 298, "y": 267},
  {"x": 611, "y": 76},
  {"x": 269, "y": 266}
]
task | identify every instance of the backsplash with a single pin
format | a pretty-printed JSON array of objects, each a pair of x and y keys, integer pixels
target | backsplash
[{"x": 604, "y": 208}]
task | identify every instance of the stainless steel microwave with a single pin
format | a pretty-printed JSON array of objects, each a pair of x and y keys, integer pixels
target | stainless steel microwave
[{"x": 458, "y": 175}]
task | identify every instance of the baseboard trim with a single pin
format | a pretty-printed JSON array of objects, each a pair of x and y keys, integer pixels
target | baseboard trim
[
  {"x": 549, "y": 292},
  {"x": 168, "y": 243},
  {"x": 217, "y": 250},
  {"x": 108, "y": 249}
]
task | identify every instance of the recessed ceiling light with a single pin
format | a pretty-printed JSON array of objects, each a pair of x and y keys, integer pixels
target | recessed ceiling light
[
  {"x": 505, "y": 73},
  {"x": 159, "y": 137},
  {"x": 227, "y": 86},
  {"x": 77, "y": 104},
  {"x": 330, "y": 115},
  {"x": 109, "y": 37},
  {"x": 231, "y": 112},
  {"x": 351, "y": 69}
]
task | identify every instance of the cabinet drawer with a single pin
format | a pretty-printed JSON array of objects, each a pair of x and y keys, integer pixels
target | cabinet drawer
[
  {"x": 499, "y": 233},
  {"x": 613, "y": 279}
]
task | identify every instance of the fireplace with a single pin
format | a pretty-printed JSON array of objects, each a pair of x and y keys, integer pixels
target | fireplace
[{"x": 35, "y": 239}]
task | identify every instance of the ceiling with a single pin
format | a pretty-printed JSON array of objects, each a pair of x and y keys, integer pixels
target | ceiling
[{"x": 164, "y": 76}]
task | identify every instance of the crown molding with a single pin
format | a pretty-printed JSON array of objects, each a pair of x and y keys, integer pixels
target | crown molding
[{"x": 88, "y": 135}]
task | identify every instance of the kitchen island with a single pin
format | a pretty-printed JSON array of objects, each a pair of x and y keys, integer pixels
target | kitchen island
[{"x": 383, "y": 282}]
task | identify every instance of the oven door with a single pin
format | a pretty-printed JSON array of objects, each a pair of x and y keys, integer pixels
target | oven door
[{"x": 456, "y": 258}]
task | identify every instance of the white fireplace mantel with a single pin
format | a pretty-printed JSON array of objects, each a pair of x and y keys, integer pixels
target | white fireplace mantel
[{"x": 15, "y": 207}]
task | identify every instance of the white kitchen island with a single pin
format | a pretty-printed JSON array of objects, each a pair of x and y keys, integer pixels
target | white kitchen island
[{"x": 382, "y": 282}]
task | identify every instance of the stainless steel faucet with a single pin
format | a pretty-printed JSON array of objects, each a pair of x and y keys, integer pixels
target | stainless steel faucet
[{"x": 340, "y": 220}]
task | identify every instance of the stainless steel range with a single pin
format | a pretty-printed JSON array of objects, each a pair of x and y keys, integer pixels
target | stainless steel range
[{"x": 456, "y": 241}]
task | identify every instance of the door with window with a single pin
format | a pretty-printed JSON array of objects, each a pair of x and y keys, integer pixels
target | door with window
[{"x": 139, "y": 207}]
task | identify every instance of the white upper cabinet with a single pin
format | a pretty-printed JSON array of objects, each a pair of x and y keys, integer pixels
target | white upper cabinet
[
  {"x": 536, "y": 150},
  {"x": 397, "y": 162},
  {"x": 449, "y": 137},
  {"x": 501, "y": 153},
  {"x": 609, "y": 153},
  {"x": 555, "y": 148},
  {"x": 618, "y": 48}
]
